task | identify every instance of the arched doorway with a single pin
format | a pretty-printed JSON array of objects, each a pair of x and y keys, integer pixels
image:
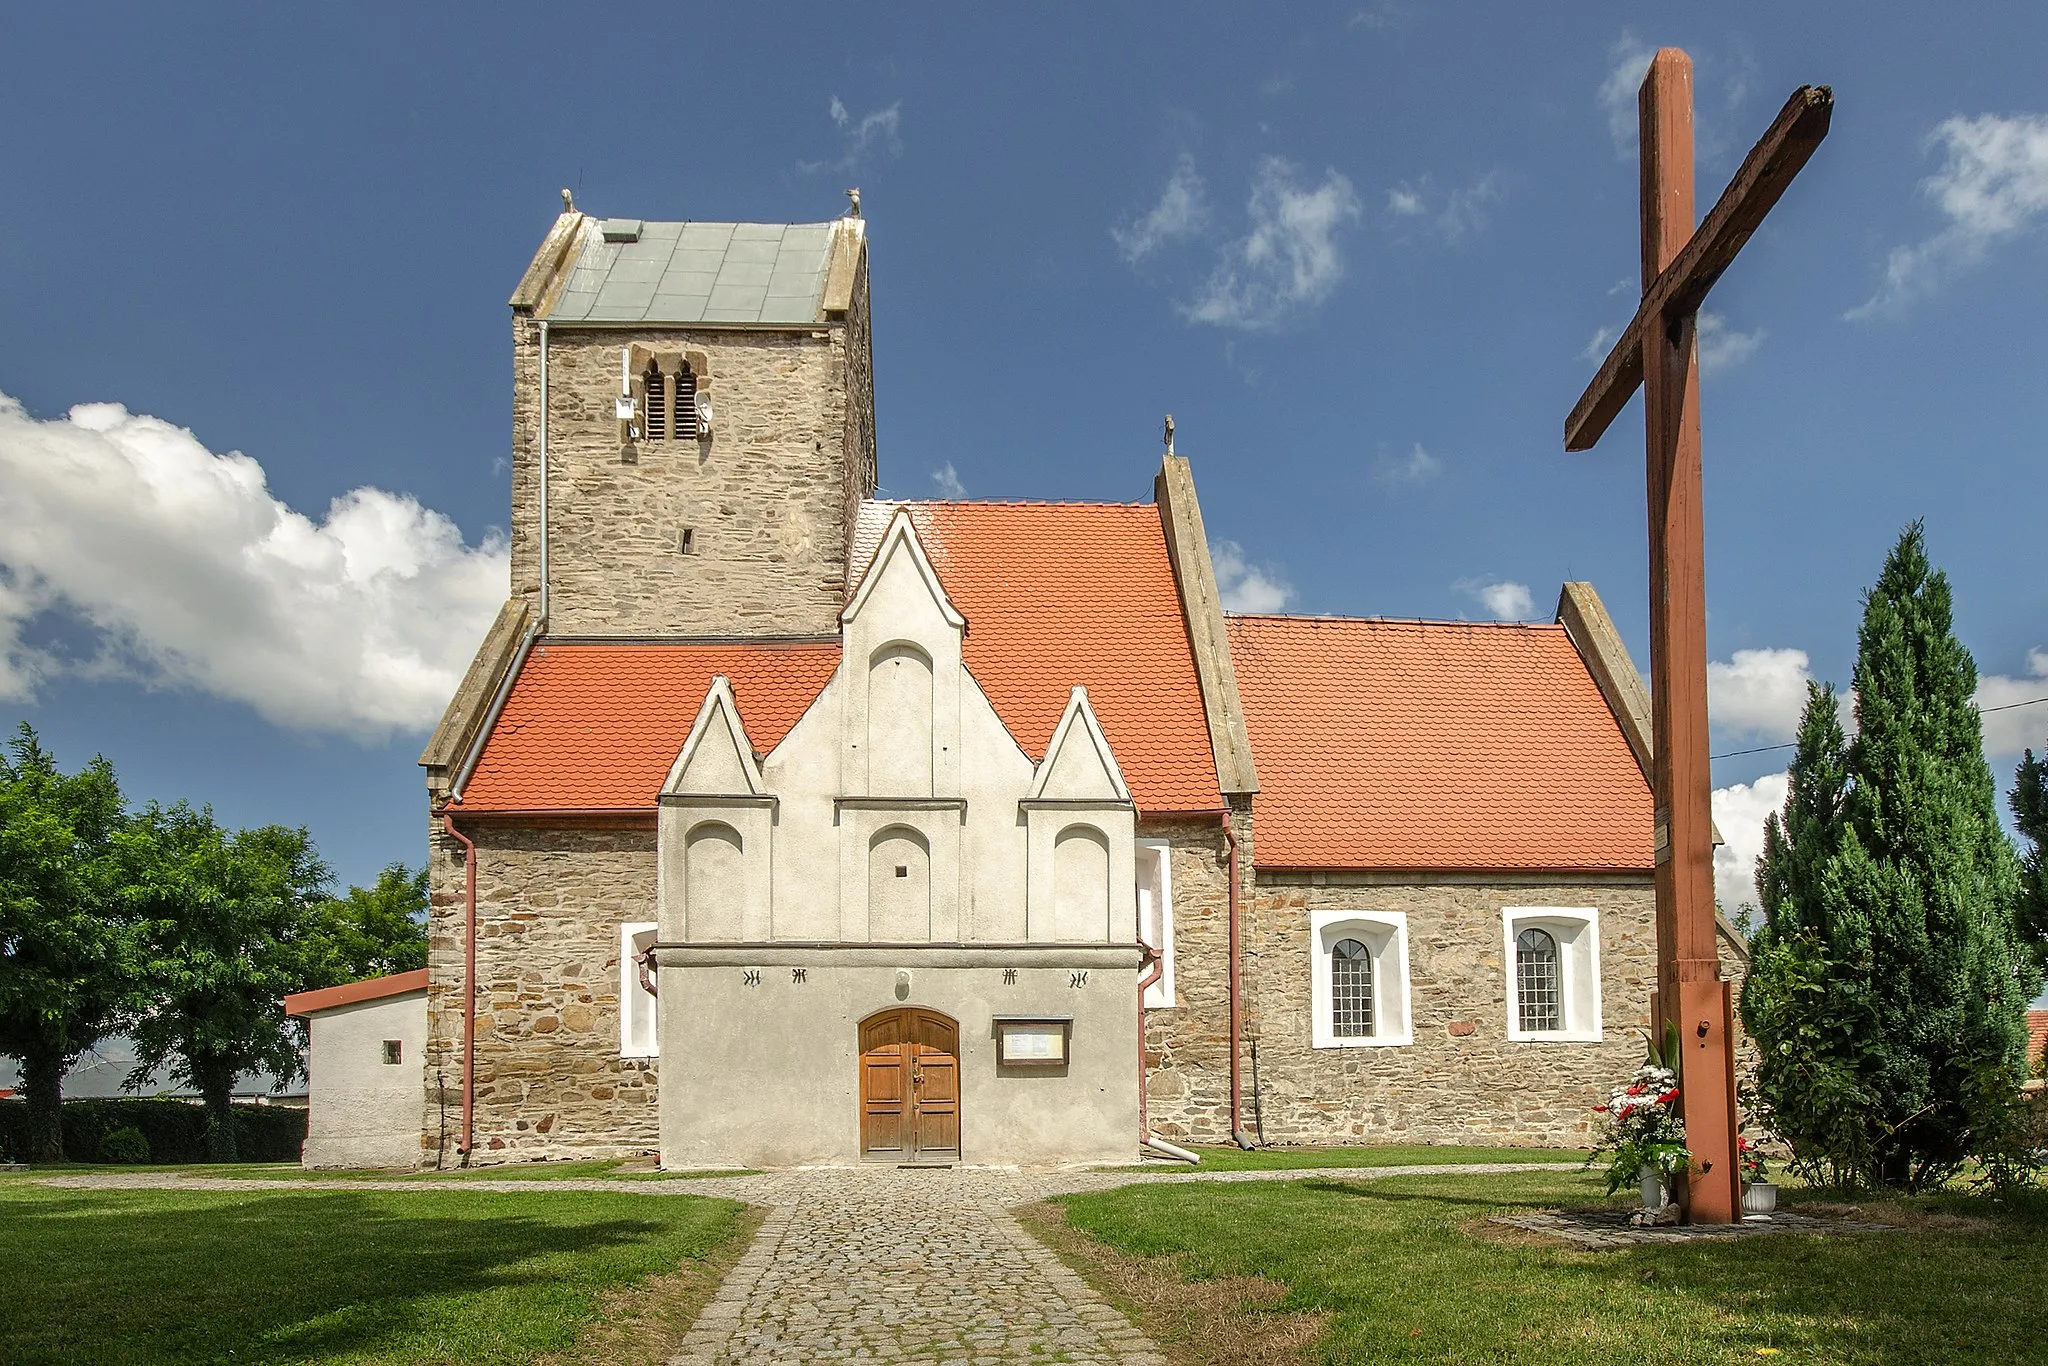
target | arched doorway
[{"x": 909, "y": 1086}]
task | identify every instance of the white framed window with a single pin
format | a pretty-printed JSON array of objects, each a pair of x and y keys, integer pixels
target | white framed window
[
  {"x": 638, "y": 1015},
  {"x": 1155, "y": 914},
  {"x": 1552, "y": 958},
  {"x": 1358, "y": 974}
]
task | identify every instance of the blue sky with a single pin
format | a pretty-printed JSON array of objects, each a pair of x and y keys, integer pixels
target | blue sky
[{"x": 1365, "y": 256}]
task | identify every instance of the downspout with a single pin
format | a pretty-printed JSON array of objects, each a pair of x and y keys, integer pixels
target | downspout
[
  {"x": 1237, "y": 1134},
  {"x": 1146, "y": 1138},
  {"x": 468, "y": 986}
]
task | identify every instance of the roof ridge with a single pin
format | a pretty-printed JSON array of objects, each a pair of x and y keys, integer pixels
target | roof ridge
[
  {"x": 1002, "y": 502},
  {"x": 1313, "y": 618}
]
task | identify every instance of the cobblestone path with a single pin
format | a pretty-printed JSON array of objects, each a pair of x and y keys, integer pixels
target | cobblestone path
[{"x": 885, "y": 1264}]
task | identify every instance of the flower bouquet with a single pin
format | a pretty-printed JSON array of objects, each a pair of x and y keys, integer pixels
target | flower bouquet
[{"x": 1640, "y": 1133}]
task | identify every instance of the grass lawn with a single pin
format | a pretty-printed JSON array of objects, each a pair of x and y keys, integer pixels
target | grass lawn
[
  {"x": 1386, "y": 1271},
  {"x": 592, "y": 1169},
  {"x": 119, "y": 1277},
  {"x": 1231, "y": 1159}
]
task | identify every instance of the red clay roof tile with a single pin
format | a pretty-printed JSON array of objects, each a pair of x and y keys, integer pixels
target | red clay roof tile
[
  {"x": 1409, "y": 745},
  {"x": 595, "y": 726},
  {"x": 1055, "y": 594}
]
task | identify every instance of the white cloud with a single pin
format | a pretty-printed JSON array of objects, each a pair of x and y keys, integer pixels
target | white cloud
[
  {"x": 1503, "y": 599},
  {"x": 1455, "y": 212},
  {"x": 1247, "y": 587},
  {"x": 1739, "y": 811},
  {"x": 1628, "y": 61},
  {"x": 1381, "y": 15},
  {"x": 1758, "y": 694},
  {"x": 1289, "y": 261},
  {"x": 947, "y": 480},
  {"x": 876, "y": 130},
  {"x": 1596, "y": 349},
  {"x": 1721, "y": 346},
  {"x": 1182, "y": 211},
  {"x": 1992, "y": 186},
  {"x": 191, "y": 574},
  {"x": 1416, "y": 467},
  {"x": 2008, "y": 732}
]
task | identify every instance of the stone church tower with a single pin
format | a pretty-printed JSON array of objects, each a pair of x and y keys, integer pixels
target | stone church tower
[{"x": 709, "y": 425}]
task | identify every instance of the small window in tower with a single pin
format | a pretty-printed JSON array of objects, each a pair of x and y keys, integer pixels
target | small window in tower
[
  {"x": 685, "y": 426},
  {"x": 686, "y": 540},
  {"x": 393, "y": 1048},
  {"x": 654, "y": 422},
  {"x": 902, "y": 870}
]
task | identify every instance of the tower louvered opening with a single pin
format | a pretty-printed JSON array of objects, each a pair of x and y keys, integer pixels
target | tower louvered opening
[
  {"x": 685, "y": 425},
  {"x": 654, "y": 422}
]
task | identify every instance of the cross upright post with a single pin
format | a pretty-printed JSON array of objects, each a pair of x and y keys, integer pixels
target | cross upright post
[{"x": 1660, "y": 352}]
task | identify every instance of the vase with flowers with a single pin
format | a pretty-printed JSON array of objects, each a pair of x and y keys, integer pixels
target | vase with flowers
[{"x": 1639, "y": 1132}]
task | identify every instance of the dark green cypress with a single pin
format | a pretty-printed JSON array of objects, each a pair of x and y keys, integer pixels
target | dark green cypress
[{"x": 1890, "y": 965}]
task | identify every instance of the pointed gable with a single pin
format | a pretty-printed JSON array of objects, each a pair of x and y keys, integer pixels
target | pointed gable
[
  {"x": 1078, "y": 764},
  {"x": 717, "y": 759},
  {"x": 1060, "y": 595}
]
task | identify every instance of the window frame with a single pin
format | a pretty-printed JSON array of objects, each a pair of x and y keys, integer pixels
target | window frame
[
  {"x": 1160, "y": 995},
  {"x": 1576, "y": 932},
  {"x": 1385, "y": 936},
  {"x": 633, "y": 1000}
]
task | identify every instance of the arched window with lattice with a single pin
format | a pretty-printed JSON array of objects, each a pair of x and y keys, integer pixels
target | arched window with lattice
[
  {"x": 1350, "y": 990},
  {"x": 1539, "y": 982}
]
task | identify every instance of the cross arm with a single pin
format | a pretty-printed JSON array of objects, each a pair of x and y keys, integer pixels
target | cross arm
[{"x": 1766, "y": 173}]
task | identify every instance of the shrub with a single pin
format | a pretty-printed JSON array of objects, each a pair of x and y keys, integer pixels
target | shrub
[
  {"x": 125, "y": 1146},
  {"x": 174, "y": 1130}
]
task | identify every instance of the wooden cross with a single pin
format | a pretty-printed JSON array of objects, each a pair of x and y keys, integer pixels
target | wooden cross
[{"x": 1660, "y": 353}]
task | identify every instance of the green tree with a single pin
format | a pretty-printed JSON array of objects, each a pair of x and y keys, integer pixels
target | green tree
[
  {"x": 2030, "y": 814},
  {"x": 66, "y": 952},
  {"x": 378, "y": 929},
  {"x": 230, "y": 927},
  {"x": 1890, "y": 991}
]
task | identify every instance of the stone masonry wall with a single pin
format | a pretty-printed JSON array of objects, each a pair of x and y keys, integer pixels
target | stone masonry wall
[
  {"x": 549, "y": 1079},
  {"x": 1187, "y": 1046},
  {"x": 1461, "y": 1081},
  {"x": 859, "y": 471},
  {"x": 765, "y": 495}
]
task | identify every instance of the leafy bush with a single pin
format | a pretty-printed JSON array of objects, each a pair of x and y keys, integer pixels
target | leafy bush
[
  {"x": 124, "y": 1146},
  {"x": 173, "y": 1130}
]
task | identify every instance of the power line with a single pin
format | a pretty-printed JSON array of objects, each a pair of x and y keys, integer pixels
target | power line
[{"x": 1794, "y": 744}]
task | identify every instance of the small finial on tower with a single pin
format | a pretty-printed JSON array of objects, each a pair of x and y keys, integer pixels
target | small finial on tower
[
  {"x": 1169, "y": 433},
  {"x": 568, "y": 202},
  {"x": 853, "y": 199}
]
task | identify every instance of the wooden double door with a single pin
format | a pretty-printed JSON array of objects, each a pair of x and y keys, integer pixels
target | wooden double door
[{"x": 910, "y": 1086}]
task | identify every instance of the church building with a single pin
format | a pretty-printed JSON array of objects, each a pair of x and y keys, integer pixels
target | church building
[{"x": 778, "y": 824}]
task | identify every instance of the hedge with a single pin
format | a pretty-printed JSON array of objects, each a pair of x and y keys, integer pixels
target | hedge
[{"x": 175, "y": 1129}]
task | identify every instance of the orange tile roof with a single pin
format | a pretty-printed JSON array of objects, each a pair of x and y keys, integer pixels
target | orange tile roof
[
  {"x": 1059, "y": 594},
  {"x": 1412, "y": 745},
  {"x": 595, "y": 726},
  {"x": 349, "y": 993}
]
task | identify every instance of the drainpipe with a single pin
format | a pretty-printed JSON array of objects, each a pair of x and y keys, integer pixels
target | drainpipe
[
  {"x": 1146, "y": 1138},
  {"x": 468, "y": 986},
  {"x": 1237, "y": 1134}
]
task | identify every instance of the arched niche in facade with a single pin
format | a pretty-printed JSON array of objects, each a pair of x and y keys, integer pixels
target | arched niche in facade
[
  {"x": 714, "y": 881},
  {"x": 1080, "y": 879},
  {"x": 899, "y": 886},
  {"x": 899, "y": 735}
]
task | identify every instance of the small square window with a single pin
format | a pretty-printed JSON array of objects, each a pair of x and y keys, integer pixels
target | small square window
[
  {"x": 686, "y": 541},
  {"x": 393, "y": 1050},
  {"x": 902, "y": 870}
]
